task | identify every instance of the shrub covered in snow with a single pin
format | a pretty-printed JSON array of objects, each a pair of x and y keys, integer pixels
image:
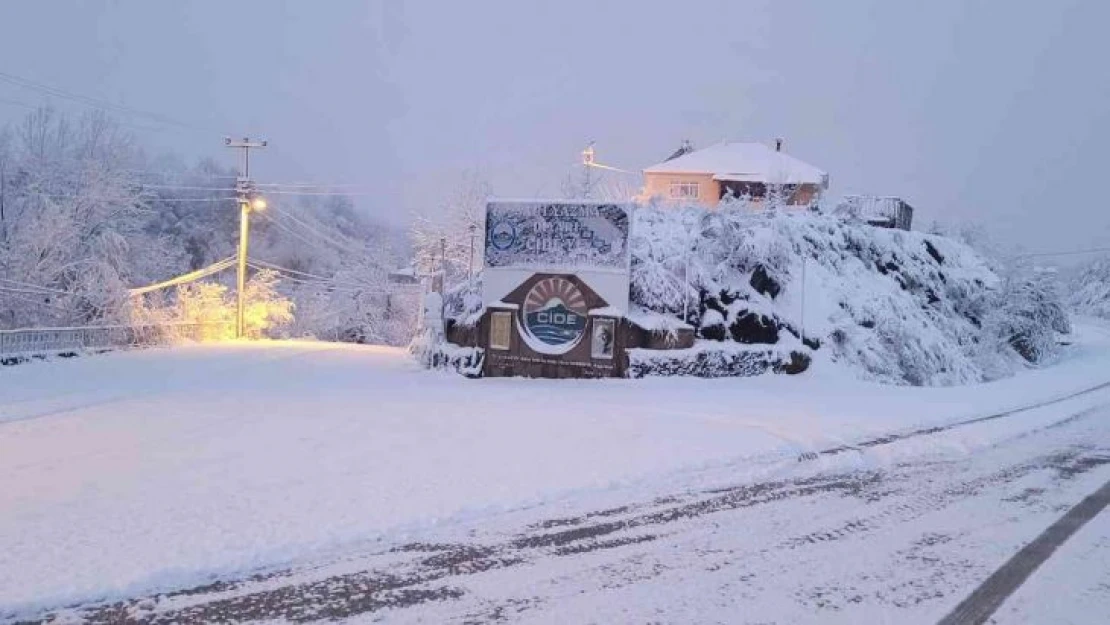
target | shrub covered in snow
[
  {"x": 1090, "y": 290},
  {"x": 433, "y": 352},
  {"x": 900, "y": 307},
  {"x": 710, "y": 359},
  {"x": 430, "y": 346}
]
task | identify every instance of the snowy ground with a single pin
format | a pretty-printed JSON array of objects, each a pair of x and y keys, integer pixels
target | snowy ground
[{"x": 678, "y": 500}]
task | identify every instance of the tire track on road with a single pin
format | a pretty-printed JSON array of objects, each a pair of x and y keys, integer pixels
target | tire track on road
[
  {"x": 986, "y": 599},
  {"x": 887, "y": 439}
]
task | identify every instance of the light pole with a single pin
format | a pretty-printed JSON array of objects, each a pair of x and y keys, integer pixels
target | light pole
[
  {"x": 247, "y": 203},
  {"x": 442, "y": 265},
  {"x": 470, "y": 263}
]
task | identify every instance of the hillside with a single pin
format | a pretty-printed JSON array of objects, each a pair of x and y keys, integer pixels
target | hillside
[{"x": 893, "y": 306}]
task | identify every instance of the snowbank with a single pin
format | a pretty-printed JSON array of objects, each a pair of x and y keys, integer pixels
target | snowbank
[{"x": 892, "y": 306}]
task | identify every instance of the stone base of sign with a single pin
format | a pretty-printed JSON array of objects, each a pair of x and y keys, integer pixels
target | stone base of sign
[{"x": 598, "y": 337}]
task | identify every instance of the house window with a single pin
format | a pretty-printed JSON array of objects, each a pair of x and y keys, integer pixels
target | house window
[
  {"x": 684, "y": 190},
  {"x": 500, "y": 331}
]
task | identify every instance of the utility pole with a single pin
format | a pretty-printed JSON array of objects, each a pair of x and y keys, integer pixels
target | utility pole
[
  {"x": 442, "y": 265},
  {"x": 587, "y": 163},
  {"x": 803, "y": 312},
  {"x": 244, "y": 191},
  {"x": 470, "y": 264}
]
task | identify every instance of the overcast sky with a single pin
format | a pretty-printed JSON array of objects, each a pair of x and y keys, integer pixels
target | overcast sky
[{"x": 996, "y": 112}]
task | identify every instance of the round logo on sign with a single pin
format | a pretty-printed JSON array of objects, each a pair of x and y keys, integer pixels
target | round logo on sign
[
  {"x": 502, "y": 235},
  {"x": 554, "y": 316}
]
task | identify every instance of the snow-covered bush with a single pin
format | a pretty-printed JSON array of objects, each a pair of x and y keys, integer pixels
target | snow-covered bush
[
  {"x": 708, "y": 359},
  {"x": 463, "y": 303},
  {"x": 265, "y": 311},
  {"x": 1090, "y": 290},
  {"x": 211, "y": 305}
]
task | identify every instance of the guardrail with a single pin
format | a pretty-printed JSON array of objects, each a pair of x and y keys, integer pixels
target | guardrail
[{"x": 49, "y": 341}]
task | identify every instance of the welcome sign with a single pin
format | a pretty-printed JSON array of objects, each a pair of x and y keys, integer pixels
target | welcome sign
[
  {"x": 571, "y": 234},
  {"x": 553, "y": 318}
]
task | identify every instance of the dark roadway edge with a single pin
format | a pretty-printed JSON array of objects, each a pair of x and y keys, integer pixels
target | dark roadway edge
[
  {"x": 984, "y": 600},
  {"x": 890, "y": 438}
]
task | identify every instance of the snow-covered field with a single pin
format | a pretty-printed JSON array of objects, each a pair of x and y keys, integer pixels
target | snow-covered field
[{"x": 130, "y": 473}]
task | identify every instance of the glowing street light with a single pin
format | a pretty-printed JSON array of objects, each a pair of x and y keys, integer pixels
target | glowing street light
[{"x": 258, "y": 203}]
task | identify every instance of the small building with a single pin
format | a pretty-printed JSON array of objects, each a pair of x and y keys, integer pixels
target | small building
[
  {"x": 880, "y": 211},
  {"x": 744, "y": 170},
  {"x": 405, "y": 275}
]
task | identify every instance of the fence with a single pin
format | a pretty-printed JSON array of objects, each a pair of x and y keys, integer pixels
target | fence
[{"x": 47, "y": 341}]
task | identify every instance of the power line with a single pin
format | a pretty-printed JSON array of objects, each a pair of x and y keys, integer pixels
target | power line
[
  {"x": 194, "y": 199},
  {"x": 343, "y": 193},
  {"x": 18, "y": 103},
  {"x": 331, "y": 280},
  {"x": 339, "y": 287},
  {"x": 349, "y": 246},
  {"x": 1096, "y": 250},
  {"x": 317, "y": 185},
  {"x": 269, "y": 265},
  {"x": 331, "y": 287},
  {"x": 34, "y": 286},
  {"x": 174, "y": 174},
  {"x": 103, "y": 105},
  {"x": 34, "y": 301},
  {"x": 291, "y": 232},
  {"x": 184, "y": 187},
  {"x": 160, "y": 199},
  {"x": 11, "y": 289}
]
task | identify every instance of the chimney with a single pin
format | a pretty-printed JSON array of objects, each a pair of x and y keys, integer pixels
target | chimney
[{"x": 778, "y": 144}]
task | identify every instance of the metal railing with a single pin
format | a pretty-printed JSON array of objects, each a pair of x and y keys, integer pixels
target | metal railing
[{"x": 49, "y": 341}]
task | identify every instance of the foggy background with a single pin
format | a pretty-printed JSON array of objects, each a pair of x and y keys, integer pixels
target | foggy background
[{"x": 992, "y": 112}]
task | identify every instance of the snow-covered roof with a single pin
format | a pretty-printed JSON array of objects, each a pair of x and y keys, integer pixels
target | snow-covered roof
[{"x": 743, "y": 162}]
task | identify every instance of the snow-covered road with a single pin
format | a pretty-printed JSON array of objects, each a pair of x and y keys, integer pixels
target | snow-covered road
[
  {"x": 133, "y": 473},
  {"x": 899, "y": 544}
]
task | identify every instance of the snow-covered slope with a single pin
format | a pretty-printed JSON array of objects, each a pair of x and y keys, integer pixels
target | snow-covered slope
[
  {"x": 1090, "y": 291},
  {"x": 893, "y": 306}
]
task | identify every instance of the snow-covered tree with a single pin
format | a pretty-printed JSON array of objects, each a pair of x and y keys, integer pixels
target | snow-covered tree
[
  {"x": 452, "y": 239},
  {"x": 71, "y": 215}
]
